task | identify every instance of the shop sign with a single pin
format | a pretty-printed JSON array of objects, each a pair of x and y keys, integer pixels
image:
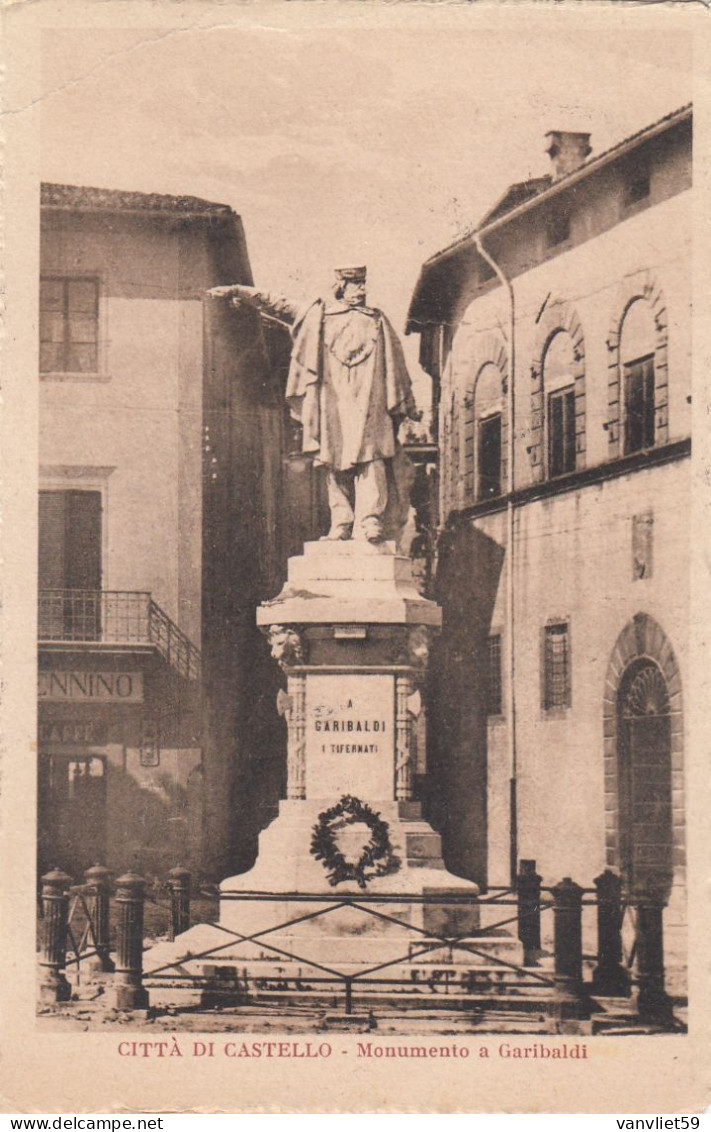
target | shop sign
[
  {"x": 73, "y": 731},
  {"x": 90, "y": 687}
]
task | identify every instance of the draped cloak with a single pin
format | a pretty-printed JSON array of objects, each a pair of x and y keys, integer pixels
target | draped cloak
[{"x": 348, "y": 384}]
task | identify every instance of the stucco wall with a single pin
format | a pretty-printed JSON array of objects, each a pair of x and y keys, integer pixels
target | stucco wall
[
  {"x": 573, "y": 557},
  {"x": 139, "y": 421},
  {"x": 596, "y": 280},
  {"x": 133, "y": 430}
]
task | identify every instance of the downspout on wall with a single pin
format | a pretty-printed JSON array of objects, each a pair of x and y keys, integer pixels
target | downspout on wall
[{"x": 510, "y": 574}]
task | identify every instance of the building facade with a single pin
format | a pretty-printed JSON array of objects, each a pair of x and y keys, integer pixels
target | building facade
[
  {"x": 141, "y": 438},
  {"x": 558, "y": 338}
]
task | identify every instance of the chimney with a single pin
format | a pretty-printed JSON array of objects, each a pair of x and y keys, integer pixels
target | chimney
[{"x": 567, "y": 151}]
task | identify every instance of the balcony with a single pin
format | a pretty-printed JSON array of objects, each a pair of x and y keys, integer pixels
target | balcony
[{"x": 115, "y": 617}]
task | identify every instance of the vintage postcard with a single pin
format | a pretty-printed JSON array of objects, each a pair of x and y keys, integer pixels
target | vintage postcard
[{"x": 354, "y": 642}]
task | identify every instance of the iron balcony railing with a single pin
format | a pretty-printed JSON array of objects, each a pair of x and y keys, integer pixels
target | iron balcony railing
[{"x": 115, "y": 617}]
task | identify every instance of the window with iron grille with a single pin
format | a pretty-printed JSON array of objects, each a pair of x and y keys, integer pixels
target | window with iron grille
[
  {"x": 489, "y": 458},
  {"x": 561, "y": 432},
  {"x": 69, "y": 325},
  {"x": 639, "y": 404},
  {"x": 494, "y": 697},
  {"x": 556, "y": 666}
]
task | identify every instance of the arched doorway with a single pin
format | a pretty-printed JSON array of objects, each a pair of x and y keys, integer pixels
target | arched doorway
[{"x": 644, "y": 756}]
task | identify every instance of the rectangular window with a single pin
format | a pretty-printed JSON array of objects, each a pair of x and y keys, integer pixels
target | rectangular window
[
  {"x": 558, "y": 230},
  {"x": 637, "y": 186},
  {"x": 561, "y": 432},
  {"x": 489, "y": 462},
  {"x": 639, "y": 404},
  {"x": 556, "y": 666},
  {"x": 69, "y": 325},
  {"x": 494, "y": 698}
]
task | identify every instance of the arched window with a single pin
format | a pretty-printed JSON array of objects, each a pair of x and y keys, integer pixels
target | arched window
[
  {"x": 637, "y": 356},
  {"x": 558, "y": 393},
  {"x": 559, "y": 371},
  {"x": 485, "y": 438}
]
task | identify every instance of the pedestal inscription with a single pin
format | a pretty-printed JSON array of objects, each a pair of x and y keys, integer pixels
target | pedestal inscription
[{"x": 350, "y": 740}]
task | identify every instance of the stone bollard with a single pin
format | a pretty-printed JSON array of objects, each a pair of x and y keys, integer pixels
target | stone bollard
[
  {"x": 652, "y": 1002},
  {"x": 179, "y": 885},
  {"x": 98, "y": 879},
  {"x": 528, "y": 888},
  {"x": 609, "y": 977},
  {"x": 568, "y": 1003},
  {"x": 129, "y": 992},
  {"x": 54, "y": 986}
]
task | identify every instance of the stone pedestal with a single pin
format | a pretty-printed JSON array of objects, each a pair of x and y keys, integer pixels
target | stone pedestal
[{"x": 351, "y": 634}]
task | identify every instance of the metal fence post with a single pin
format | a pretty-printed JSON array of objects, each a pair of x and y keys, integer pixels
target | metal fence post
[
  {"x": 652, "y": 1002},
  {"x": 54, "y": 986},
  {"x": 609, "y": 977},
  {"x": 98, "y": 878},
  {"x": 129, "y": 992},
  {"x": 179, "y": 885},
  {"x": 568, "y": 1002},
  {"x": 528, "y": 888}
]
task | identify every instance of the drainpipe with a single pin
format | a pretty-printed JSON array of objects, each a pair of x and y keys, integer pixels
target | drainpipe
[{"x": 510, "y": 613}]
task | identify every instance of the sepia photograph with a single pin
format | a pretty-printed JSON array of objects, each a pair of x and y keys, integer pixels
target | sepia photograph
[{"x": 362, "y": 351}]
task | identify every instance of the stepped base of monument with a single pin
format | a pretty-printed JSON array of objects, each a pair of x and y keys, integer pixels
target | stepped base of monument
[
  {"x": 483, "y": 970},
  {"x": 287, "y": 908},
  {"x": 420, "y": 895}
]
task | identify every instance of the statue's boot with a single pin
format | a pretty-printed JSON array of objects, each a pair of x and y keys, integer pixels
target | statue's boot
[
  {"x": 372, "y": 530},
  {"x": 339, "y": 533}
]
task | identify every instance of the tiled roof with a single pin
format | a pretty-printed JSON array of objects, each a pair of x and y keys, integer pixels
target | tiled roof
[
  {"x": 439, "y": 276},
  {"x": 515, "y": 196},
  {"x": 86, "y": 198}
]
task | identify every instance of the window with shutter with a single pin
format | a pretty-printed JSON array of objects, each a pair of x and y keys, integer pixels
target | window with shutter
[
  {"x": 489, "y": 462},
  {"x": 561, "y": 432},
  {"x": 69, "y": 325},
  {"x": 639, "y": 404},
  {"x": 69, "y": 565}
]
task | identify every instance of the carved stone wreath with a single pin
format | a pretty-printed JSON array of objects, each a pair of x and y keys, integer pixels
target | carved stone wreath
[{"x": 376, "y": 858}]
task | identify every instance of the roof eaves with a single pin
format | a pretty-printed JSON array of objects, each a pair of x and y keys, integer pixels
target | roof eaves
[
  {"x": 591, "y": 166},
  {"x": 80, "y": 198}
]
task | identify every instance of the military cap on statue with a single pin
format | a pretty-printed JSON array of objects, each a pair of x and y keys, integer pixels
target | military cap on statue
[{"x": 351, "y": 274}]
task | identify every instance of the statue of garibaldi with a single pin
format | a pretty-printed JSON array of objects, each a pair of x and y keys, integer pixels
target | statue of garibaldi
[{"x": 349, "y": 388}]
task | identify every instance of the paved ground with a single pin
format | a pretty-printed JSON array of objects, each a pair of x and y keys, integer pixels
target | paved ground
[
  {"x": 90, "y": 1008},
  {"x": 96, "y": 1013}
]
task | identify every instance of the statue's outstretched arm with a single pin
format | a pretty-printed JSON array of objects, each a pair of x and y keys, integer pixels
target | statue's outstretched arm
[{"x": 274, "y": 306}]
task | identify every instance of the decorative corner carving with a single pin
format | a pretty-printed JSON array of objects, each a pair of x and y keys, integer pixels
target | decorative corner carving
[
  {"x": 284, "y": 703},
  {"x": 287, "y": 646},
  {"x": 418, "y": 646}
]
